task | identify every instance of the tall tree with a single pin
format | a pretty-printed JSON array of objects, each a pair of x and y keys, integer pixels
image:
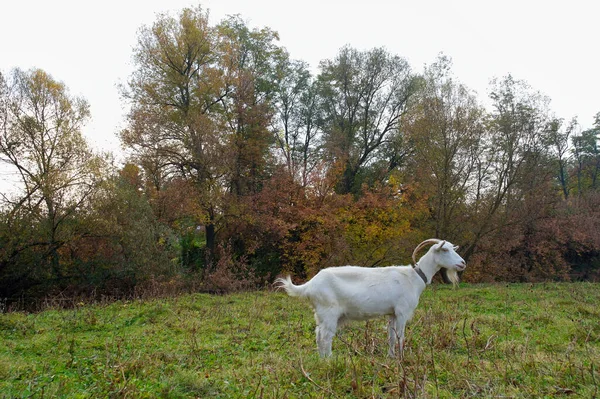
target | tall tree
[
  {"x": 515, "y": 155},
  {"x": 200, "y": 107},
  {"x": 559, "y": 139},
  {"x": 586, "y": 150},
  {"x": 174, "y": 92},
  {"x": 445, "y": 126},
  {"x": 41, "y": 140},
  {"x": 297, "y": 112},
  {"x": 250, "y": 60},
  {"x": 364, "y": 95}
]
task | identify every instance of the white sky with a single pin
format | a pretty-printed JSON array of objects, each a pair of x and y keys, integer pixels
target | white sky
[{"x": 553, "y": 45}]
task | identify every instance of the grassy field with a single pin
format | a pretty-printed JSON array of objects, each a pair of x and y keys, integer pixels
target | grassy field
[{"x": 475, "y": 341}]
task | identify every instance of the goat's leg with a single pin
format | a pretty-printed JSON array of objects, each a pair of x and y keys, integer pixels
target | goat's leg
[
  {"x": 392, "y": 337},
  {"x": 327, "y": 335},
  {"x": 318, "y": 336},
  {"x": 325, "y": 331},
  {"x": 396, "y": 327},
  {"x": 324, "y": 340},
  {"x": 400, "y": 325}
]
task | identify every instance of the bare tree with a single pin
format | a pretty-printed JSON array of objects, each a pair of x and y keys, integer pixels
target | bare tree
[{"x": 297, "y": 111}]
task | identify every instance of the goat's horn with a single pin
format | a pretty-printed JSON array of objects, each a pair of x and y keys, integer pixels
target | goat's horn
[{"x": 421, "y": 245}]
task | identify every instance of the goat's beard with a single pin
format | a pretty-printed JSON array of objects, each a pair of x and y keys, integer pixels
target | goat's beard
[{"x": 452, "y": 275}]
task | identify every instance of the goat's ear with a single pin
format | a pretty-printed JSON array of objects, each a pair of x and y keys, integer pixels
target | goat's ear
[{"x": 456, "y": 247}]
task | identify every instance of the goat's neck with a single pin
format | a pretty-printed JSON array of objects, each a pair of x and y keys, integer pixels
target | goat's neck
[{"x": 428, "y": 266}]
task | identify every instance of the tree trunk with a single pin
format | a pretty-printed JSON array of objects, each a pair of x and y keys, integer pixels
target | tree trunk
[{"x": 210, "y": 246}]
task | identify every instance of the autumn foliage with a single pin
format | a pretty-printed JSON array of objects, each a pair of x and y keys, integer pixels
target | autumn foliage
[{"x": 242, "y": 165}]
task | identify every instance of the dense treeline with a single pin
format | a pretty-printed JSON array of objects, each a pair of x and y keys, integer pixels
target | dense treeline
[{"x": 242, "y": 164}]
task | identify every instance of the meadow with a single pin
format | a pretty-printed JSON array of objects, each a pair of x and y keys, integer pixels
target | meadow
[{"x": 517, "y": 340}]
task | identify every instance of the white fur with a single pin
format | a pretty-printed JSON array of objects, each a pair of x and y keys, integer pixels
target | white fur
[{"x": 339, "y": 294}]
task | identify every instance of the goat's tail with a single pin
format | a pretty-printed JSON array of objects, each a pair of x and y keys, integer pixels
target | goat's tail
[{"x": 289, "y": 287}]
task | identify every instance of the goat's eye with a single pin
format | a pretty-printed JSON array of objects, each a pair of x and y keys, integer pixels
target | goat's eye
[{"x": 444, "y": 249}]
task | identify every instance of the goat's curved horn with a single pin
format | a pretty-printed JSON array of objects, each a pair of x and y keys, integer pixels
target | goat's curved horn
[{"x": 421, "y": 245}]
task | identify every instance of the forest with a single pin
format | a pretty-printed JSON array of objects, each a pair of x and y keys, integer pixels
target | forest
[{"x": 242, "y": 164}]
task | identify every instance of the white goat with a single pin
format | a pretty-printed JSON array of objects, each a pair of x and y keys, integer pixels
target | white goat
[{"x": 339, "y": 294}]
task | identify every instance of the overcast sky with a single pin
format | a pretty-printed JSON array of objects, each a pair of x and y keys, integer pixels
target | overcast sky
[{"x": 553, "y": 45}]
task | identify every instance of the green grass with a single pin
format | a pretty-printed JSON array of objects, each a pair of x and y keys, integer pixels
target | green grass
[{"x": 474, "y": 341}]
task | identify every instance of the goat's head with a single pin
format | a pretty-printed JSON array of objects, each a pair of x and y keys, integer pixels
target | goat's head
[{"x": 444, "y": 257}]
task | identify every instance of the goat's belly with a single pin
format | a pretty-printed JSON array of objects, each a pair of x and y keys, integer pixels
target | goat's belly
[
  {"x": 366, "y": 313},
  {"x": 362, "y": 316}
]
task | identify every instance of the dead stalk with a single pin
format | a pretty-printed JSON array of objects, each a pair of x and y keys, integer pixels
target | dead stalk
[{"x": 329, "y": 391}]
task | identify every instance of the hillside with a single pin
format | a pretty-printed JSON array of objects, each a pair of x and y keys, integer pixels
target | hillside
[{"x": 474, "y": 341}]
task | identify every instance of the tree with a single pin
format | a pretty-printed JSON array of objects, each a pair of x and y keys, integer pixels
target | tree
[
  {"x": 364, "y": 95},
  {"x": 200, "y": 108},
  {"x": 445, "y": 126},
  {"x": 41, "y": 140},
  {"x": 297, "y": 112},
  {"x": 130, "y": 245},
  {"x": 586, "y": 151},
  {"x": 249, "y": 60},
  {"x": 559, "y": 139},
  {"x": 174, "y": 92},
  {"x": 516, "y": 161}
]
